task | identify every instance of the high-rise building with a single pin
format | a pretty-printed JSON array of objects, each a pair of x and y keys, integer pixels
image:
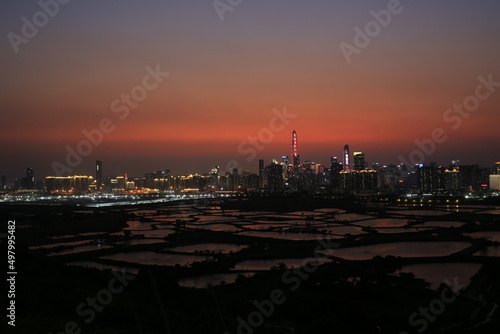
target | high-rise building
[
  {"x": 428, "y": 179},
  {"x": 359, "y": 161},
  {"x": 359, "y": 181},
  {"x": 98, "y": 174},
  {"x": 497, "y": 168},
  {"x": 214, "y": 174},
  {"x": 295, "y": 151},
  {"x": 495, "y": 182},
  {"x": 30, "y": 179},
  {"x": 76, "y": 184},
  {"x": 234, "y": 180},
  {"x": 346, "y": 164},
  {"x": 335, "y": 169},
  {"x": 3, "y": 183},
  {"x": 452, "y": 178},
  {"x": 261, "y": 173},
  {"x": 470, "y": 177},
  {"x": 275, "y": 180},
  {"x": 121, "y": 182}
]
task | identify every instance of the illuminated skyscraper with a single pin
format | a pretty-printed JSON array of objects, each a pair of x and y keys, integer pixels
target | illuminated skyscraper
[
  {"x": 214, "y": 174},
  {"x": 98, "y": 174},
  {"x": 346, "y": 164},
  {"x": 495, "y": 182},
  {"x": 428, "y": 179},
  {"x": 295, "y": 151}
]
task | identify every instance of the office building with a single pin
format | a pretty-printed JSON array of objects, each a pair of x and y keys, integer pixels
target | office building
[{"x": 359, "y": 161}]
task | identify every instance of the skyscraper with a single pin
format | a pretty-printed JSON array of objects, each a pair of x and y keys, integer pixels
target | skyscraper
[
  {"x": 275, "y": 181},
  {"x": 214, "y": 174},
  {"x": 98, "y": 174},
  {"x": 30, "y": 178},
  {"x": 428, "y": 179},
  {"x": 295, "y": 151},
  {"x": 346, "y": 164},
  {"x": 261, "y": 173},
  {"x": 359, "y": 161},
  {"x": 452, "y": 178}
]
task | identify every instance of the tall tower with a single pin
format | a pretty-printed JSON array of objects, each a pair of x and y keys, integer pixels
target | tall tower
[
  {"x": 295, "y": 151},
  {"x": 347, "y": 165},
  {"x": 98, "y": 174}
]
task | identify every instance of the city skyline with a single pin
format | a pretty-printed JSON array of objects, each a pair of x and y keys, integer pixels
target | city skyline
[
  {"x": 98, "y": 171},
  {"x": 209, "y": 83},
  {"x": 253, "y": 167}
]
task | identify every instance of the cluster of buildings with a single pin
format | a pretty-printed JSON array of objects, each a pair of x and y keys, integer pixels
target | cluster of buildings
[{"x": 349, "y": 174}]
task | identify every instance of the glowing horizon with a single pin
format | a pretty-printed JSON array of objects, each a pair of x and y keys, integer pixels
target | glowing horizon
[{"x": 226, "y": 78}]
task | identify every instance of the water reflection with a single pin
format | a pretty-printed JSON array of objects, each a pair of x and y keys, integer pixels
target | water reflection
[
  {"x": 59, "y": 244},
  {"x": 216, "y": 227},
  {"x": 384, "y": 222},
  {"x": 403, "y": 249},
  {"x": 493, "y": 251},
  {"x": 490, "y": 235},
  {"x": 401, "y": 230},
  {"x": 420, "y": 212},
  {"x": 145, "y": 241},
  {"x": 137, "y": 225},
  {"x": 442, "y": 224},
  {"x": 100, "y": 266},
  {"x": 154, "y": 233},
  {"x": 253, "y": 265},
  {"x": 152, "y": 258},
  {"x": 202, "y": 282},
  {"x": 352, "y": 216},
  {"x": 286, "y": 236},
  {"x": 222, "y": 248},
  {"x": 81, "y": 249}
]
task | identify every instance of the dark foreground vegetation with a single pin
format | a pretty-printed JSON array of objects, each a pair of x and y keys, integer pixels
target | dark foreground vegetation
[{"x": 336, "y": 297}]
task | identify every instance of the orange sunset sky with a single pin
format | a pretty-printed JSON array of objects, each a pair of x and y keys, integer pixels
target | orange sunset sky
[{"x": 226, "y": 77}]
